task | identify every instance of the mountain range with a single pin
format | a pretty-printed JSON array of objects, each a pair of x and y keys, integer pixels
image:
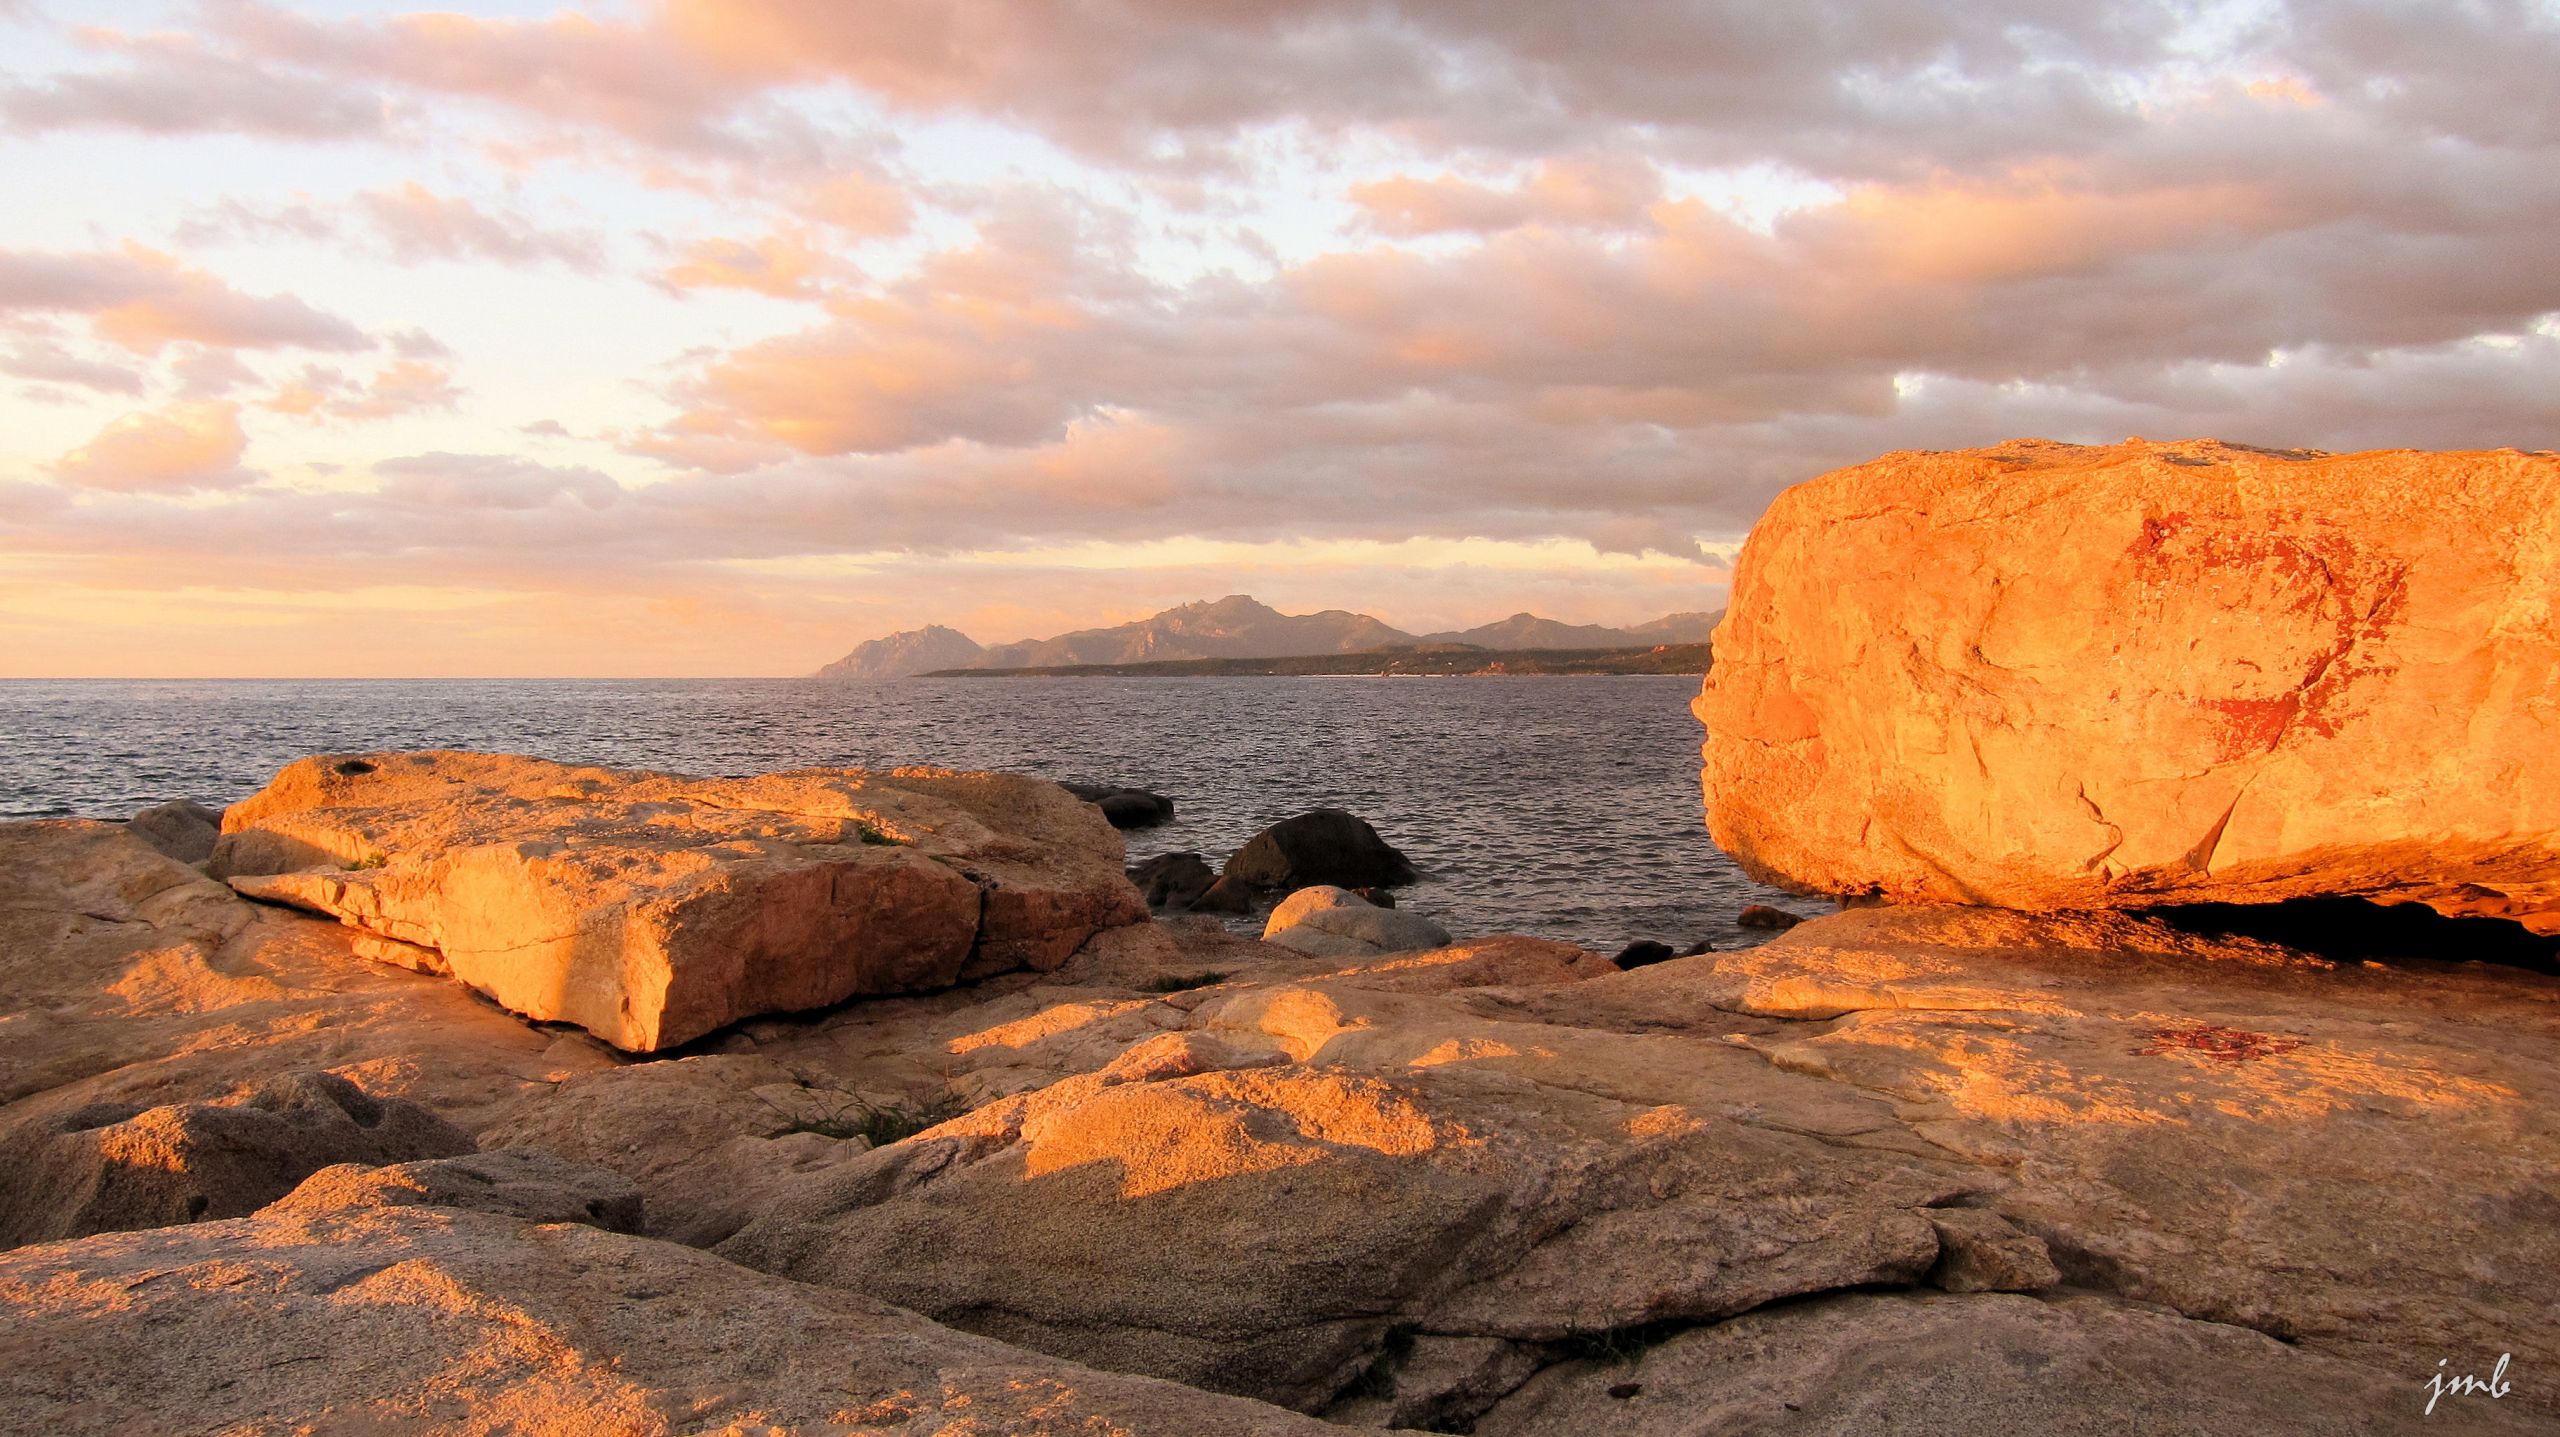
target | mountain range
[{"x": 1237, "y": 627}]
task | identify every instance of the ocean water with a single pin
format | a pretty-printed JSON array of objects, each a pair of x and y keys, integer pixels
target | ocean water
[{"x": 1563, "y": 807}]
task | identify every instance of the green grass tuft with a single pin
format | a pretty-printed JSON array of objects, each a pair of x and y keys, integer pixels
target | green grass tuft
[{"x": 878, "y": 1124}]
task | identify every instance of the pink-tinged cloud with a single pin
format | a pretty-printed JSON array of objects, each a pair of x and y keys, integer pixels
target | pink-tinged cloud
[
  {"x": 211, "y": 374},
  {"x": 784, "y": 264},
  {"x": 175, "y": 85},
  {"x": 184, "y": 447},
  {"x": 145, "y": 300},
  {"x": 490, "y": 482},
  {"x": 44, "y": 361},
  {"x": 1591, "y": 192},
  {"x": 402, "y": 387},
  {"x": 418, "y": 225}
]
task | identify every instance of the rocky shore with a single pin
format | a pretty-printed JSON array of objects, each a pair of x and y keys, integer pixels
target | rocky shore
[{"x": 460, "y": 1092}]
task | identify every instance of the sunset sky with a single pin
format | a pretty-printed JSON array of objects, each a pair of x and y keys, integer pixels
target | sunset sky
[{"x": 714, "y": 336}]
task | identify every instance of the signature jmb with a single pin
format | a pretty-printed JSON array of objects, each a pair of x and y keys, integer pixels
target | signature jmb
[{"x": 2466, "y": 1384}]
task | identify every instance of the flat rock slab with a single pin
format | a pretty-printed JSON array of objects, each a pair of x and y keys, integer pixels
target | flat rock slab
[
  {"x": 1934, "y": 1365},
  {"x": 422, "y": 1319},
  {"x": 1258, "y": 1200},
  {"x": 2045, "y": 676},
  {"x": 651, "y": 908}
]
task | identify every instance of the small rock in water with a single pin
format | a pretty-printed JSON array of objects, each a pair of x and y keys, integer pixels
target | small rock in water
[
  {"x": 1642, "y": 952},
  {"x": 1761, "y": 915},
  {"x": 1229, "y": 895},
  {"x": 1321, "y": 846},
  {"x": 1174, "y": 880},
  {"x": 1124, "y": 807}
]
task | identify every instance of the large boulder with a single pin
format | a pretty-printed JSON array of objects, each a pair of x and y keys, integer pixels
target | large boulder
[
  {"x": 110, "y": 1167},
  {"x": 1322, "y": 845},
  {"x": 2050, "y": 677},
  {"x": 1328, "y": 922},
  {"x": 651, "y": 908}
]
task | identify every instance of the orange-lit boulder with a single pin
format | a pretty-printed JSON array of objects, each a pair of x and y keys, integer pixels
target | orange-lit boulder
[
  {"x": 2046, "y": 676},
  {"x": 652, "y": 908}
]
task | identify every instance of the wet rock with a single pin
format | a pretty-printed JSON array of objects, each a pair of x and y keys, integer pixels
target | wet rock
[
  {"x": 2149, "y": 673},
  {"x": 650, "y": 908},
  {"x": 1330, "y": 922},
  {"x": 1174, "y": 880},
  {"x": 181, "y": 828},
  {"x": 1320, "y": 846},
  {"x": 112, "y": 1167},
  {"x": 1761, "y": 915},
  {"x": 1231, "y": 895},
  {"x": 1125, "y": 807}
]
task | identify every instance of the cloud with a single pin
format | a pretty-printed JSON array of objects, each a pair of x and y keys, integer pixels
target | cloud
[
  {"x": 176, "y": 84},
  {"x": 186, "y": 446},
  {"x": 1597, "y": 192},
  {"x": 145, "y": 300},
  {"x": 490, "y": 481},
  {"x": 1848, "y": 85},
  {"x": 47, "y": 362},
  {"x": 211, "y": 374},
  {"x": 1256, "y": 280},
  {"x": 404, "y": 386},
  {"x": 419, "y": 225},
  {"x": 783, "y": 264}
]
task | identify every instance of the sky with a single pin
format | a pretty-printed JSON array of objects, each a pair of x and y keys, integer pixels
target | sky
[{"x": 716, "y": 336}]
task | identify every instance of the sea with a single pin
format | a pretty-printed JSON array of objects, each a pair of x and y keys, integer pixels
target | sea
[{"x": 1562, "y": 807}]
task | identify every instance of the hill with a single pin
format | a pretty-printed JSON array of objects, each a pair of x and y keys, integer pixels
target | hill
[
  {"x": 1240, "y": 627},
  {"x": 1413, "y": 660}
]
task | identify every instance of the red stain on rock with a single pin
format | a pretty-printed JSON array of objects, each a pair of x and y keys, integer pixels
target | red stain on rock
[
  {"x": 2223, "y": 1045},
  {"x": 2332, "y": 597}
]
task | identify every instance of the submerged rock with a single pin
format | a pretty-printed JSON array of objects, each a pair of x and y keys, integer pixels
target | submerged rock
[
  {"x": 1329, "y": 922},
  {"x": 2053, "y": 677},
  {"x": 1125, "y": 807},
  {"x": 652, "y": 908}
]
